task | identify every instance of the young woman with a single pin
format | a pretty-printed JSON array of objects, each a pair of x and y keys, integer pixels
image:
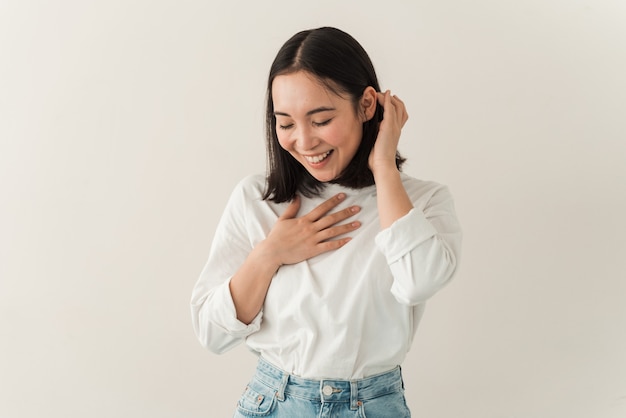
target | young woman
[{"x": 324, "y": 266}]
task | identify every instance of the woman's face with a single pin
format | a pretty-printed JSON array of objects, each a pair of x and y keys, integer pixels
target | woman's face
[{"x": 318, "y": 128}]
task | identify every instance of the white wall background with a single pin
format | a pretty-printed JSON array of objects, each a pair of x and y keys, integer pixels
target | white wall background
[{"x": 124, "y": 126}]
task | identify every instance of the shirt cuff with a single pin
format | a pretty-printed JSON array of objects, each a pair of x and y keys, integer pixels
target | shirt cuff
[
  {"x": 404, "y": 234},
  {"x": 226, "y": 317}
]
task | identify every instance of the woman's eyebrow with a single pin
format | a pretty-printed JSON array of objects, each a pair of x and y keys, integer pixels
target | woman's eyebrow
[{"x": 309, "y": 113}]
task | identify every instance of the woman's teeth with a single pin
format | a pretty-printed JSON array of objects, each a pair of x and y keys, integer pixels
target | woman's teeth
[{"x": 317, "y": 158}]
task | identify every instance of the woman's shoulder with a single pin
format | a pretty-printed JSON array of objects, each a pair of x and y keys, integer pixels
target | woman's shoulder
[
  {"x": 419, "y": 184},
  {"x": 252, "y": 182},
  {"x": 419, "y": 189},
  {"x": 250, "y": 187}
]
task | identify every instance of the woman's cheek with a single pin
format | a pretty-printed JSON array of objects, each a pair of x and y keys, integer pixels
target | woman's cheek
[{"x": 282, "y": 140}]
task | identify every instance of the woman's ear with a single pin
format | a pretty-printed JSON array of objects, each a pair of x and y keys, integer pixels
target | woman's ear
[{"x": 368, "y": 103}]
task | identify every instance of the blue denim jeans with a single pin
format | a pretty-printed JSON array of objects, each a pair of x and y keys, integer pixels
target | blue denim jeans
[{"x": 276, "y": 394}]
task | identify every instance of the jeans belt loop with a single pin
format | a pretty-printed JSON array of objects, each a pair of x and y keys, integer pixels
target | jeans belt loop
[
  {"x": 280, "y": 393},
  {"x": 354, "y": 396}
]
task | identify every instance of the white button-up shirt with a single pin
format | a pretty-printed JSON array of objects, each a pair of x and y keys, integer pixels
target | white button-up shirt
[{"x": 344, "y": 314}]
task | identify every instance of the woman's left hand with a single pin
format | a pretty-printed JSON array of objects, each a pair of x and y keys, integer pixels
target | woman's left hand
[{"x": 383, "y": 153}]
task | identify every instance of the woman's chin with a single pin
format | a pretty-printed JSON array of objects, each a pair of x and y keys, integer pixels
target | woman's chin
[{"x": 323, "y": 177}]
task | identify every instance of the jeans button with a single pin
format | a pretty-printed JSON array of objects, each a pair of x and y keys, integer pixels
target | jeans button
[{"x": 327, "y": 390}]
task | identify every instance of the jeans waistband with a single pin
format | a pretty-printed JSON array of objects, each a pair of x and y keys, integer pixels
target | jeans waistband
[{"x": 329, "y": 390}]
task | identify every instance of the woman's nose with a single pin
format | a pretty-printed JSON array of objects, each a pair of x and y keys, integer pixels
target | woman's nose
[{"x": 305, "y": 139}]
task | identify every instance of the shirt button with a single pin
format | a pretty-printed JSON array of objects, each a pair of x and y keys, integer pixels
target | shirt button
[{"x": 327, "y": 390}]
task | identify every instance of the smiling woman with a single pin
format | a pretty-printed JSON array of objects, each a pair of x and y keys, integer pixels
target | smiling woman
[
  {"x": 319, "y": 128},
  {"x": 321, "y": 56},
  {"x": 329, "y": 302}
]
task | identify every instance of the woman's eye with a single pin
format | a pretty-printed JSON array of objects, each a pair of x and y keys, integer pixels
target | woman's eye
[
  {"x": 324, "y": 123},
  {"x": 285, "y": 127}
]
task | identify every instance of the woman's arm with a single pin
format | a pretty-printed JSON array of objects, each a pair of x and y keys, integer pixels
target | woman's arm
[
  {"x": 290, "y": 241},
  {"x": 422, "y": 245},
  {"x": 227, "y": 299},
  {"x": 393, "y": 201}
]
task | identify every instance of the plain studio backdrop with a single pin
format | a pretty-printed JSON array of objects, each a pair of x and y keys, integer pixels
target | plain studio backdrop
[{"x": 124, "y": 126}]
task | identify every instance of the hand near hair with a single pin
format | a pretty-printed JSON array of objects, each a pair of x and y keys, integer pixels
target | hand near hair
[
  {"x": 383, "y": 153},
  {"x": 392, "y": 199}
]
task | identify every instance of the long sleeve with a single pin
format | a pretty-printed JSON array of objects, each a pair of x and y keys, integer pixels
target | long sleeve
[
  {"x": 423, "y": 247},
  {"x": 346, "y": 314},
  {"x": 213, "y": 312}
]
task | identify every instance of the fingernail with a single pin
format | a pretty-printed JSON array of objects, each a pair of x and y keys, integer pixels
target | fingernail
[
  {"x": 341, "y": 196},
  {"x": 355, "y": 209}
]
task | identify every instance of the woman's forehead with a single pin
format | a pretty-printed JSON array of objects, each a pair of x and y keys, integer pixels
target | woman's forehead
[{"x": 303, "y": 91}]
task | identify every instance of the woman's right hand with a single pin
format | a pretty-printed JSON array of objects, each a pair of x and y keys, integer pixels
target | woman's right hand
[
  {"x": 294, "y": 239},
  {"x": 291, "y": 240}
]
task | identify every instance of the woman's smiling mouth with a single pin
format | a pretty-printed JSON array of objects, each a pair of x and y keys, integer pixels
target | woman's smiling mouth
[{"x": 316, "y": 159}]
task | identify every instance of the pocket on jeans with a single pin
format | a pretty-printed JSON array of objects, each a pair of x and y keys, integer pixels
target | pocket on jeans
[
  {"x": 391, "y": 405},
  {"x": 257, "y": 400}
]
